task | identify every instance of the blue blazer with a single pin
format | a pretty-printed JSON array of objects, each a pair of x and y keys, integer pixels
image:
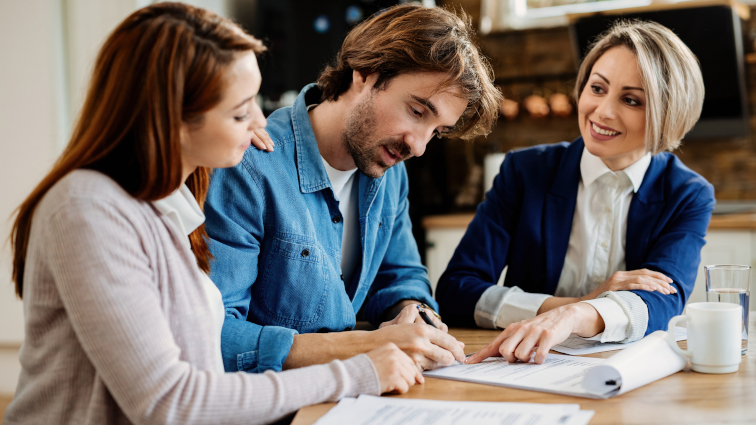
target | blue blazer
[{"x": 526, "y": 220}]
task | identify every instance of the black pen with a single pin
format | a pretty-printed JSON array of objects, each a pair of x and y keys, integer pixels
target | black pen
[{"x": 425, "y": 317}]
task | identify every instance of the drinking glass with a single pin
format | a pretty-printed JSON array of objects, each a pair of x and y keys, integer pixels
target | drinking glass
[{"x": 726, "y": 283}]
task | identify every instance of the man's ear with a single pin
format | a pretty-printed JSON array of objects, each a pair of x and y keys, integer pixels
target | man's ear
[{"x": 361, "y": 82}]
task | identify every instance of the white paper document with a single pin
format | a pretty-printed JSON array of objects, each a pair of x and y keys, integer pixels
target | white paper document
[
  {"x": 576, "y": 346},
  {"x": 648, "y": 360},
  {"x": 558, "y": 374},
  {"x": 370, "y": 410}
]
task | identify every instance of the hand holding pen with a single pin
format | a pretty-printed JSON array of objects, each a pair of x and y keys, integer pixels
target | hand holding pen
[
  {"x": 412, "y": 312},
  {"x": 425, "y": 316}
]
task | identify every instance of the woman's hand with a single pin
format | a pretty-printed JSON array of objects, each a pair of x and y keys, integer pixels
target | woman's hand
[
  {"x": 642, "y": 279},
  {"x": 519, "y": 340},
  {"x": 261, "y": 140},
  {"x": 396, "y": 370}
]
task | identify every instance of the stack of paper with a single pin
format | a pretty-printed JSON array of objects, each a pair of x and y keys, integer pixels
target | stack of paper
[
  {"x": 370, "y": 410},
  {"x": 558, "y": 374},
  {"x": 576, "y": 346},
  {"x": 648, "y": 360}
]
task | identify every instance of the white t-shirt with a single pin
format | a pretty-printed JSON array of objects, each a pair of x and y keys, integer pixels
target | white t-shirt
[{"x": 346, "y": 193}]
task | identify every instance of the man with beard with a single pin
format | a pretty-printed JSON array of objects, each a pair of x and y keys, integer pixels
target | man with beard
[{"x": 309, "y": 234}]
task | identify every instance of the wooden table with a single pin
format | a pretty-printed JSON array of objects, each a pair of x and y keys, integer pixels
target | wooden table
[{"x": 683, "y": 398}]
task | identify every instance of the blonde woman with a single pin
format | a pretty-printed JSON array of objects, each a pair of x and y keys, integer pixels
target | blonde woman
[
  {"x": 601, "y": 236},
  {"x": 122, "y": 323}
]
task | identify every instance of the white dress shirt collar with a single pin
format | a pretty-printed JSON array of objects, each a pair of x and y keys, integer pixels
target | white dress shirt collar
[
  {"x": 182, "y": 209},
  {"x": 592, "y": 167}
]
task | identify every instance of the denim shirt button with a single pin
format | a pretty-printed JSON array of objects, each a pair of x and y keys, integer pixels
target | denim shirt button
[
  {"x": 305, "y": 252},
  {"x": 336, "y": 220}
]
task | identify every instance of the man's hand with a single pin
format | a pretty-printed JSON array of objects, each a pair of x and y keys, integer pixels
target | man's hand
[
  {"x": 410, "y": 314},
  {"x": 519, "y": 340},
  {"x": 642, "y": 279},
  {"x": 427, "y": 346}
]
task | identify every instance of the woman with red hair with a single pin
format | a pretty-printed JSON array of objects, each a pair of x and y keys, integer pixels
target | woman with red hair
[{"x": 110, "y": 254}]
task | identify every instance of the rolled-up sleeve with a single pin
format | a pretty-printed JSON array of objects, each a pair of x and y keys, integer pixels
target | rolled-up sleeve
[
  {"x": 500, "y": 306},
  {"x": 625, "y": 316},
  {"x": 253, "y": 348}
]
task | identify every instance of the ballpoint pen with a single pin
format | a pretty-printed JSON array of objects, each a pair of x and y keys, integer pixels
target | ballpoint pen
[{"x": 425, "y": 316}]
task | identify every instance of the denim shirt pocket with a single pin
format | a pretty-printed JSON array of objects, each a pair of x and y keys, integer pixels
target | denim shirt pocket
[
  {"x": 386, "y": 221},
  {"x": 294, "y": 281}
]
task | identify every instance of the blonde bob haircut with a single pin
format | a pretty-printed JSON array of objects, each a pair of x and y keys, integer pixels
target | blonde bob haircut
[{"x": 670, "y": 75}]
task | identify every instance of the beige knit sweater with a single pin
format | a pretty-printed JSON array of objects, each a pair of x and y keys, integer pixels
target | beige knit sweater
[{"x": 118, "y": 327}]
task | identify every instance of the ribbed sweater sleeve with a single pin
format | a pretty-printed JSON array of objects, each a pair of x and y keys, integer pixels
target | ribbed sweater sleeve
[{"x": 115, "y": 302}]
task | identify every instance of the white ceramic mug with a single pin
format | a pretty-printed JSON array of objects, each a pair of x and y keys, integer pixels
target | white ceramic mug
[{"x": 713, "y": 336}]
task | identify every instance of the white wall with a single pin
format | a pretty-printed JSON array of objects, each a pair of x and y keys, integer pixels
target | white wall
[
  {"x": 30, "y": 131},
  {"x": 47, "y": 48},
  {"x": 86, "y": 24},
  {"x": 30, "y": 121}
]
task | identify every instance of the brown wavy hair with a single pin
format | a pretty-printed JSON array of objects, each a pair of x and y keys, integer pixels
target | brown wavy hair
[
  {"x": 163, "y": 65},
  {"x": 411, "y": 38}
]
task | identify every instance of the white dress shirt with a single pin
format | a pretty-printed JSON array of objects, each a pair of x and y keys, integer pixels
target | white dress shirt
[
  {"x": 596, "y": 250},
  {"x": 182, "y": 209}
]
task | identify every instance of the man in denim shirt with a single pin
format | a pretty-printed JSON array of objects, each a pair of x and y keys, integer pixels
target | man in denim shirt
[{"x": 306, "y": 235}]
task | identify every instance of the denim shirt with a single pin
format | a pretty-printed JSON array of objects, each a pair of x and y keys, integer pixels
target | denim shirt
[{"x": 275, "y": 232}]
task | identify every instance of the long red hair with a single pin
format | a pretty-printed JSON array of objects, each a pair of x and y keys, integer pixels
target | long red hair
[{"x": 163, "y": 65}]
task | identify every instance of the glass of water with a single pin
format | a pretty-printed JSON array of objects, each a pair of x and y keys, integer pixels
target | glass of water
[{"x": 729, "y": 284}]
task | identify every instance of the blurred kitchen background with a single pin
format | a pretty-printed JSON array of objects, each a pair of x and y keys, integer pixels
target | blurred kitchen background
[{"x": 47, "y": 48}]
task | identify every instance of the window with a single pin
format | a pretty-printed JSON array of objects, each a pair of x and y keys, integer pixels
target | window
[{"x": 499, "y": 15}]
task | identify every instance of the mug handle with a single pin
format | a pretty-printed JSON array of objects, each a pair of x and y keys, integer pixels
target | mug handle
[{"x": 671, "y": 336}]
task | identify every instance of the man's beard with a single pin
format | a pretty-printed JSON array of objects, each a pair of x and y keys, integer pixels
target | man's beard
[{"x": 367, "y": 155}]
